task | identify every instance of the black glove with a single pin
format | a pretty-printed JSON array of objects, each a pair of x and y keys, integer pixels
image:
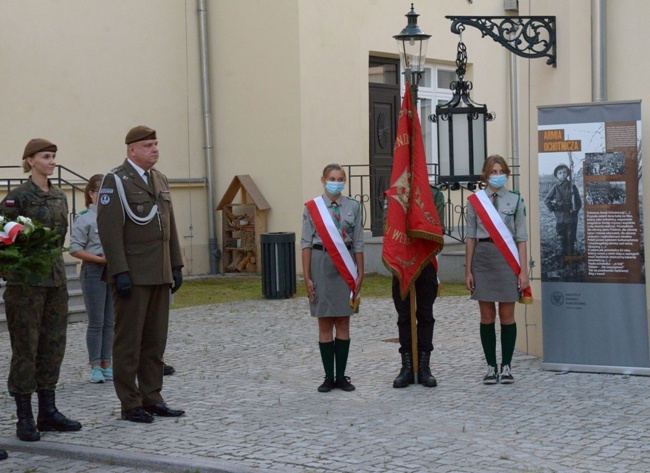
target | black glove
[
  {"x": 177, "y": 274},
  {"x": 123, "y": 285}
]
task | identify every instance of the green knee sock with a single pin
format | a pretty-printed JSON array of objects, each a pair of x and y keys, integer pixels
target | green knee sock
[
  {"x": 489, "y": 342},
  {"x": 508, "y": 339},
  {"x": 327, "y": 355},
  {"x": 341, "y": 348}
]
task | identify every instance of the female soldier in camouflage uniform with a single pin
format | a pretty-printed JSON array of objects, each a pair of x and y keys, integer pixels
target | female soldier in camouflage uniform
[{"x": 37, "y": 313}]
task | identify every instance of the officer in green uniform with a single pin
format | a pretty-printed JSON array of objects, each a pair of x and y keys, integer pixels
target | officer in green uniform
[
  {"x": 136, "y": 225},
  {"x": 37, "y": 313}
]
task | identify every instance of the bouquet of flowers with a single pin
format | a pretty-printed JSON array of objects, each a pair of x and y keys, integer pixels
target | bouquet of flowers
[{"x": 27, "y": 249}]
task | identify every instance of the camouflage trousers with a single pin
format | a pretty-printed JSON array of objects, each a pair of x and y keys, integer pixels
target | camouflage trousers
[{"x": 37, "y": 319}]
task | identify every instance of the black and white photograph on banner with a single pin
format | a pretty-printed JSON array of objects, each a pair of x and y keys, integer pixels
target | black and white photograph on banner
[
  {"x": 605, "y": 193},
  {"x": 561, "y": 217},
  {"x": 605, "y": 164}
]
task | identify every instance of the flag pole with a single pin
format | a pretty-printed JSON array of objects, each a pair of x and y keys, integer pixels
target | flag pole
[
  {"x": 414, "y": 325},
  {"x": 414, "y": 335}
]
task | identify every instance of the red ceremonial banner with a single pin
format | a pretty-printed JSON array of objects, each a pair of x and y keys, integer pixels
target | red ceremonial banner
[{"x": 413, "y": 231}]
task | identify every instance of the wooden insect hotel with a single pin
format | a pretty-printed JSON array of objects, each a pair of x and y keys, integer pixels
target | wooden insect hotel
[{"x": 243, "y": 209}]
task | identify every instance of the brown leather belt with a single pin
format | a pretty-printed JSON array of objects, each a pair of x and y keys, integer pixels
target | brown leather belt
[
  {"x": 486, "y": 240},
  {"x": 322, "y": 248}
]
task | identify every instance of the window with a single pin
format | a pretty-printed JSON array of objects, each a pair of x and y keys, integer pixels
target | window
[{"x": 383, "y": 73}]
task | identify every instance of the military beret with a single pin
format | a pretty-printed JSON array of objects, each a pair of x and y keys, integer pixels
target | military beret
[
  {"x": 140, "y": 133},
  {"x": 561, "y": 166},
  {"x": 37, "y": 145}
]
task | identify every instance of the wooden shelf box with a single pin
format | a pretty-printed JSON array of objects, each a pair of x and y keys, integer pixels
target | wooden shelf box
[{"x": 243, "y": 218}]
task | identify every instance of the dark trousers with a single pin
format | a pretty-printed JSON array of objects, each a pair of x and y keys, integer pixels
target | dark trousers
[
  {"x": 37, "y": 319},
  {"x": 141, "y": 324},
  {"x": 567, "y": 231},
  {"x": 426, "y": 290}
]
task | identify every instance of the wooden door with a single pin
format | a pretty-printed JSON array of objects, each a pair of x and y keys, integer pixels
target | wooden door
[{"x": 384, "y": 110}]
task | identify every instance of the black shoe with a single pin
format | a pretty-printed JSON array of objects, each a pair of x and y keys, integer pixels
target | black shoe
[
  {"x": 49, "y": 418},
  {"x": 491, "y": 377},
  {"x": 425, "y": 378},
  {"x": 345, "y": 384},
  {"x": 163, "y": 410},
  {"x": 168, "y": 370},
  {"x": 137, "y": 414},
  {"x": 26, "y": 430},
  {"x": 327, "y": 385},
  {"x": 25, "y": 427},
  {"x": 57, "y": 423},
  {"x": 506, "y": 375},
  {"x": 405, "y": 376},
  {"x": 3, "y": 455}
]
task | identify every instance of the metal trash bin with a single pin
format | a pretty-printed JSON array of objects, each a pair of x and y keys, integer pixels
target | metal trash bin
[{"x": 278, "y": 265}]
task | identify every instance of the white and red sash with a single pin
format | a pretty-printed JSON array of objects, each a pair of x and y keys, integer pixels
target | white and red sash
[
  {"x": 500, "y": 235},
  {"x": 333, "y": 243}
]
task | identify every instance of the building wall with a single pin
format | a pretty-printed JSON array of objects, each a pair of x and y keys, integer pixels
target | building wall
[{"x": 83, "y": 72}]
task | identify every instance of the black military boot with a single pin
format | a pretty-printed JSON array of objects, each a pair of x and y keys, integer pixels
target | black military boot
[
  {"x": 425, "y": 378},
  {"x": 3, "y": 455},
  {"x": 25, "y": 427},
  {"x": 49, "y": 417},
  {"x": 405, "y": 376}
]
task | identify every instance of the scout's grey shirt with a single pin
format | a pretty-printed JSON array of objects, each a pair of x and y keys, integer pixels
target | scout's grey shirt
[
  {"x": 512, "y": 211},
  {"x": 84, "y": 235},
  {"x": 351, "y": 224}
]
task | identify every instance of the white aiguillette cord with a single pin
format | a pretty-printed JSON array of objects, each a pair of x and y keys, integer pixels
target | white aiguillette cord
[{"x": 127, "y": 209}]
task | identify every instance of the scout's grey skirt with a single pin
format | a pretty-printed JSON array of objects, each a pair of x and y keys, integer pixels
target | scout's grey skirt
[
  {"x": 331, "y": 292},
  {"x": 494, "y": 280}
]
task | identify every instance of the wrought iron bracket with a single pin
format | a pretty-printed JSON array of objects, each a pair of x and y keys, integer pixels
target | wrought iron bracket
[{"x": 529, "y": 37}]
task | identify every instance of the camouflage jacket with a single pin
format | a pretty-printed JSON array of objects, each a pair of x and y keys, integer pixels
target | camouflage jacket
[{"x": 48, "y": 208}]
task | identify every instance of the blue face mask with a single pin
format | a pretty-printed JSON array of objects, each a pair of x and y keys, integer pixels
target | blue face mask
[
  {"x": 498, "y": 180},
  {"x": 334, "y": 188}
]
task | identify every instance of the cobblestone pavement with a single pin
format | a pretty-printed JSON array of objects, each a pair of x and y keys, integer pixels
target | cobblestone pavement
[{"x": 247, "y": 372}]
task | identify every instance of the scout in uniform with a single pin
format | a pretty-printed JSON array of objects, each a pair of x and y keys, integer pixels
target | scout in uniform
[
  {"x": 489, "y": 273},
  {"x": 85, "y": 245},
  {"x": 137, "y": 230},
  {"x": 332, "y": 265},
  {"x": 37, "y": 313}
]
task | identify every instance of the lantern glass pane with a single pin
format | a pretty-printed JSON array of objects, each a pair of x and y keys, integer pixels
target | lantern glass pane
[
  {"x": 413, "y": 53},
  {"x": 478, "y": 134},
  {"x": 443, "y": 146},
  {"x": 461, "y": 144}
]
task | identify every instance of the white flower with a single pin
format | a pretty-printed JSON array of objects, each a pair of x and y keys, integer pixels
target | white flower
[{"x": 26, "y": 221}]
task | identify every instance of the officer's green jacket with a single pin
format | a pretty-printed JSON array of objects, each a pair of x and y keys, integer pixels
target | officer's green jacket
[{"x": 148, "y": 252}]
